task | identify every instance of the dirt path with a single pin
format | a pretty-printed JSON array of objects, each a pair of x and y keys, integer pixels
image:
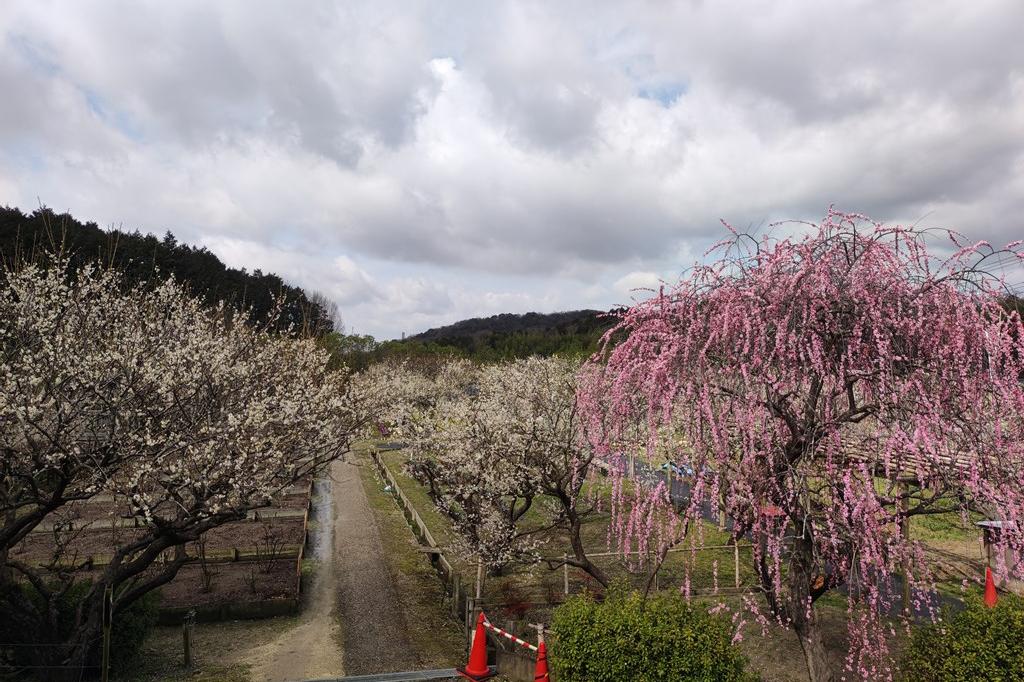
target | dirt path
[
  {"x": 352, "y": 623},
  {"x": 311, "y": 649}
]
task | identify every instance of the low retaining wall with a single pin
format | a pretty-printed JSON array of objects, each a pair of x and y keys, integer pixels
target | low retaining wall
[
  {"x": 516, "y": 666},
  {"x": 263, "y": 608}
]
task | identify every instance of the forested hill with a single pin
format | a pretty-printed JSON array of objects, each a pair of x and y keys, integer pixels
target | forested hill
[
  {"x": 138, "y": 256},
  {"x": 509, "y": 335}
]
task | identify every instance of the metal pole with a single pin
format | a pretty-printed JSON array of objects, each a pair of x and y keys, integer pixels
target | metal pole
[
  {"x": 470, "y": 623},
  {"x": 108, "y": 615},
  {"x": 565, "y": 573},
  {"x": 479, "y": 577}
]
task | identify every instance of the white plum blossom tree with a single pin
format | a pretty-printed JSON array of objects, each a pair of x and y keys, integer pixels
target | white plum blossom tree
[{"x": 188, "y": 416}]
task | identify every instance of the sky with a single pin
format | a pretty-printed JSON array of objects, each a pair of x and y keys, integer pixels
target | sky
[{"x": 424, "y": 162}]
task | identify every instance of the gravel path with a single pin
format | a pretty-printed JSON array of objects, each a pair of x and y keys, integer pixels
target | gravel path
[
  {"x": 351, "y": 623},
  {"x": 374, "y": 632}
]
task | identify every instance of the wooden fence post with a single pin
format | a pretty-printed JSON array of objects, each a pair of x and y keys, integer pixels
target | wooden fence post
[
  {"x": 905, "y": 533},
  {"x": 456, "y": 595},
  {"x": 470, "y": 622}
]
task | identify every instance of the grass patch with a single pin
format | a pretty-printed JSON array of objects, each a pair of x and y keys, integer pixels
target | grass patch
[
  {"x": 528, "y": 584},
  {"x": 439, "y": 525},
  {"x": 946, "y": 527}
]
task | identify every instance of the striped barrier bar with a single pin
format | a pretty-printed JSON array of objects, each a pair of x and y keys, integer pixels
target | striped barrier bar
[{"x": 509, "y": 635}]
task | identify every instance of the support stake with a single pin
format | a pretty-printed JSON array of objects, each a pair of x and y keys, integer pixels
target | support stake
[
  {"x": 187, "y": 631},
  {"x": 736, "y": 561},
  {"x": 905, "y": 532}
]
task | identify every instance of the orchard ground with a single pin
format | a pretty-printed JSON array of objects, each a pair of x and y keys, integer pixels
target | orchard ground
[
  {"x": 237, "y": 651},
  {"x": 775, "y": 655},
  {"x": 281, "y": 648}
]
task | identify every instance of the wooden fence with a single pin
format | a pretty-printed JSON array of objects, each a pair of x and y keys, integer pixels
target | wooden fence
[
  {"x": 458, "y": 602},
  {"x": 305, "y": 539}
]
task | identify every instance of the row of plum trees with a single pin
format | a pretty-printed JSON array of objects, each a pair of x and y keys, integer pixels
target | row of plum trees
[
  {"x": 821, "y": 387},
  {"x": 492, "y": 443},
  {"x": 185, "y": 416}
]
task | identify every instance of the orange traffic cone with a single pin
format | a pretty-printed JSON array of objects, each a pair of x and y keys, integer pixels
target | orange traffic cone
[
  {"x": 540, "y": 673},
  {"x": 477, "y": 669},
  {"x": 990, "y": 589}
]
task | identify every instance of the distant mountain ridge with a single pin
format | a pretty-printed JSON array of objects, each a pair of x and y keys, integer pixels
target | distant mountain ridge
[
  {"x": 510, "y": 323},
  {"x": 510, "y": 335}
]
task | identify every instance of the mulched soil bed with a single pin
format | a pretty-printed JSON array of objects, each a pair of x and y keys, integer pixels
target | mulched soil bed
[
  {"x": 230, "y": 584},
  {"x": 39, "y": 546},
  {"x": 244, "y": 535}
]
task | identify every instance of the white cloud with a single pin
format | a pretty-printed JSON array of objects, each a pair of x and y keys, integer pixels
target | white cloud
[
  {"x": 459, "y": 157},
  {"x": 637, "y": 285},
  {"x": 339, "y": 278}
]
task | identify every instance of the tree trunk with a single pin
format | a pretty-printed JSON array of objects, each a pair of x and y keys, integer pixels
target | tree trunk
[
  {"x": 802, "y": 613},
  {"x": 819, "y": 666},
  {"x": 85, "y": 642},
  {"x": 582, "y": 560}
]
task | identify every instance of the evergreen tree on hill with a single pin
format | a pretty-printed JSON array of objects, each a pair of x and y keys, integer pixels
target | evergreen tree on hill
[{"x": 139, "y": 257}]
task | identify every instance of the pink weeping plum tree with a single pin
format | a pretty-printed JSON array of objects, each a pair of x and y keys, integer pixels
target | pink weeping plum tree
[{"x": 822, "y": 388}]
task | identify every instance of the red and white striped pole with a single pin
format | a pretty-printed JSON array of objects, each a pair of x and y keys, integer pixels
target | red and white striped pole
[
  {"x": 541, "y": 669},
  {"x": 509, "y": 635}
]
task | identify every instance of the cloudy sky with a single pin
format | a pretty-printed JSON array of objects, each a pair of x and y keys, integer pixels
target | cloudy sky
[{"x": 423, "y": 162}]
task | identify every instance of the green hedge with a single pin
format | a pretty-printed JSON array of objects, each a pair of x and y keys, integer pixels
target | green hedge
[
  {"x": 978, "y": 643},
  {"x": 626, "y": 638}
]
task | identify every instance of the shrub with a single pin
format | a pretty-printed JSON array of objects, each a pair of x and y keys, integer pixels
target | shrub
[
  {"x": 626, "y": 638},
  {"x": 978, "y": 643}
]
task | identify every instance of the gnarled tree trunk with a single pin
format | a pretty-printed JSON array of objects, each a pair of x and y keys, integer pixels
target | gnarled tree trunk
[{"x": 802, "y": 613}]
